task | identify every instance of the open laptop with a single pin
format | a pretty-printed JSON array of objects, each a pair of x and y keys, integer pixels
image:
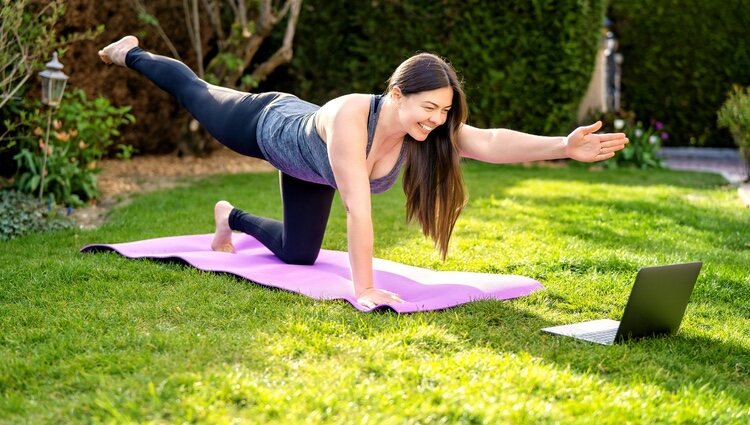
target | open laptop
[{"x": 656, "y": 306}]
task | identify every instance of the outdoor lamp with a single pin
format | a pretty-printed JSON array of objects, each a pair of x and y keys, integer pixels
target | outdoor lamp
[
  {"x": 53, "y": 82},
  {"x": 53, "y": 86}
]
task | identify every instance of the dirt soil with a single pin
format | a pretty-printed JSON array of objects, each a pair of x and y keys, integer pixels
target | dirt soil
[{"x": 119, "y": 180}]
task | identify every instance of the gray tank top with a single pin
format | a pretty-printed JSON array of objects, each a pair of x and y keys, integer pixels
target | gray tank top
[{"x": 290, "y": 142}]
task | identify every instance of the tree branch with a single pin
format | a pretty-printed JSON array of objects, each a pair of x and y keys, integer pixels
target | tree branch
[
  {"x": 285, "y": 52},
  {"x": 141, "y": 9},
  {"x": 197, "y": 43},
  {"x": 214, "y": 13},
  {"x": 7, "y": 97}
]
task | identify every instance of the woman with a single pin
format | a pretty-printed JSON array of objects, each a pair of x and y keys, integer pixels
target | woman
[{"x": 355, "y": 144}]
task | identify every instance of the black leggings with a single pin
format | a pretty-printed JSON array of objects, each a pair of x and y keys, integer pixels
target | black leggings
[{"x": 231, "y": 117}]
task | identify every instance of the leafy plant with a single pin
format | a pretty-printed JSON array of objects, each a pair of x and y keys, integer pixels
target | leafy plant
[
  {"x": 81, "y": 134},
  {"x": 735, "y": 116},
  {"x": 28, "y": 35},
  {"x": 21, "y": 213},
  {"x": 644, "y": 140}
]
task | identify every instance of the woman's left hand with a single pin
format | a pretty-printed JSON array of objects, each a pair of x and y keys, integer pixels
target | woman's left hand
[{"x": 586, "y": 146}]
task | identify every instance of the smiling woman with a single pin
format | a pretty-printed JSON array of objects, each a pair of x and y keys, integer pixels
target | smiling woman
[{"x": 355, "y": 144}]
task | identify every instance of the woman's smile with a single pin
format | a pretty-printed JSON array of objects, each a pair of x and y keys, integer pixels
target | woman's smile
[{"x": 425, "y": 127}]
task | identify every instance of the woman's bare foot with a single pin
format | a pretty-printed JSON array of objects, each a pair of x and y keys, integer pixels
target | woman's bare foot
[
  {"x": 223, "y": 236},
  {"x": 116, "y": 52}
]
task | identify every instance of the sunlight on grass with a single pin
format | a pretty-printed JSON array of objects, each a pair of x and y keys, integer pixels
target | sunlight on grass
[{"x": 97, "y": 338}]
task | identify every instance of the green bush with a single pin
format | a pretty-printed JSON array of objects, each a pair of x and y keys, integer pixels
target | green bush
[
  {"x": 526, "y": 64},
  {"x": 680, "y": 59},
  {"x": 735, "y": 116},
  {"x": 81, "y": 133},
  {"x": 21, "y": 213}
]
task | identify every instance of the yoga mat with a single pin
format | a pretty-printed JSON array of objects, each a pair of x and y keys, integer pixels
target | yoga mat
[{"x": 329, "y": 277}]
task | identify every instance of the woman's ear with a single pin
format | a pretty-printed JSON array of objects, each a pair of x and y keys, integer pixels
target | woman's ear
[{"x": 396, "y": 94}]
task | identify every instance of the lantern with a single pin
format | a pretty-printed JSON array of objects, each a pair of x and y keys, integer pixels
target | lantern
[
  {"x": 53, "y": 86},
  {"x": 53, "y": 82}
]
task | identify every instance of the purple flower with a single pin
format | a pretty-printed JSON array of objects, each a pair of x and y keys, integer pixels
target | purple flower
[
  {"x": 664, "y": 135},
  {"x": 658, "y": 125}
]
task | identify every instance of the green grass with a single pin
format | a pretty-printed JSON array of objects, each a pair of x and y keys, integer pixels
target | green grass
[{"x": 97, "y": 338}]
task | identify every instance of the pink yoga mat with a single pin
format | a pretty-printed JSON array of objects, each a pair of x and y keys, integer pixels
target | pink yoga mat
[{"x": 328, "y": 278}]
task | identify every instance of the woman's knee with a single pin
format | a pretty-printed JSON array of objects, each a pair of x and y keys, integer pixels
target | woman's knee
[{"x": 301, "y": 257}]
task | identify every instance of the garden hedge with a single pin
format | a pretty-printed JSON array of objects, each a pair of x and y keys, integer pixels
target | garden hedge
[
  {"x": 526, "y": 64},
  {"x": 681, "y": 58}
]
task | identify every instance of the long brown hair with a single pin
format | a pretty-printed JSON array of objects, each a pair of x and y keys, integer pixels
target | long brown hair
[{"x": 434, "y": 188}]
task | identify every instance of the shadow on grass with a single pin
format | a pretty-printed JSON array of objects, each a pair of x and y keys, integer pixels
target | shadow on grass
[
  {"x": 510, "y": 174},
  {"x": 672, "y": 362}
]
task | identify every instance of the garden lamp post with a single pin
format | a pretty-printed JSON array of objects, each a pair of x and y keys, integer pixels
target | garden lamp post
[{"x": 53, "y": 86}]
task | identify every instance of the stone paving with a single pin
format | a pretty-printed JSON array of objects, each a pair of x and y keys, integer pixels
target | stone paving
[{"x": 725, "y": 161}]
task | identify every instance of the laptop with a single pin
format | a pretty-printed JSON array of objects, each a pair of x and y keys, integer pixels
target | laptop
[{"x": 656, "y": 306}]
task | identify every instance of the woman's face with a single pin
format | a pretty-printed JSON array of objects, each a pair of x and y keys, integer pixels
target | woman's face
[{"x": 422, "y": 112}]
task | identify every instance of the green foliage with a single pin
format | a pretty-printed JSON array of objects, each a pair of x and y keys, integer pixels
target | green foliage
[
  {"x": 526, "y": 64},
  {"x": 81, "y": 133},
  {"x": 644, "y": 141},
  {"x": 680, "y": 59},
  {"x": 735, "y": 116},
  {"x": 28, "y": 36},
  {"x": 21, "y": 213}
]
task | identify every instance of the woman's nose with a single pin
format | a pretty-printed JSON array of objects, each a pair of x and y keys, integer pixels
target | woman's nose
[{"x": 438, "y": 118}]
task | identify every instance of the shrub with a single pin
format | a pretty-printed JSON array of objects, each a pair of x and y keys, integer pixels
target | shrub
[
  {"x": 21, "y": 213},
  {"x": 735, "y": 116},
  {"x": 680, "y": 59},
  {"x": 525, "y": 64},
  {"x": 82, "y": 132}
]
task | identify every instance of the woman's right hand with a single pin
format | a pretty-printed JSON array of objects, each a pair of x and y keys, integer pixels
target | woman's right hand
[{"x": 374, "y": 297}]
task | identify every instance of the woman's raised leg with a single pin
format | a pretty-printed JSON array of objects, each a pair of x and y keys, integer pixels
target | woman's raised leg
[{"x": 230, "y": 116}]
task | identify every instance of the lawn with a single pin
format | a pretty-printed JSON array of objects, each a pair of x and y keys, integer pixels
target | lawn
[{"x": 97, "y": 338}]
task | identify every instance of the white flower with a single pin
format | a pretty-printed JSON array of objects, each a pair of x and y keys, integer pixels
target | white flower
[
  {"x": 619, "y": 124},
  {"x": 653, "y": 139},
  {"x": 638, "y": 132}
]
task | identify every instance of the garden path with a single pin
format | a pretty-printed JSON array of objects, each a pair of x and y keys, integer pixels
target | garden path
[{"x": 725, "y": 161}]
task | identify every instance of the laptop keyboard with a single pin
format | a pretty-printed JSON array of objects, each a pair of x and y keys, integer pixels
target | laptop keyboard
[{"x": 603, "y": 337}]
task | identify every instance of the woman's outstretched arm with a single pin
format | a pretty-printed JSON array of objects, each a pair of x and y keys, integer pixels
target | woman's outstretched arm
[{"x": 500, "y": 145}]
